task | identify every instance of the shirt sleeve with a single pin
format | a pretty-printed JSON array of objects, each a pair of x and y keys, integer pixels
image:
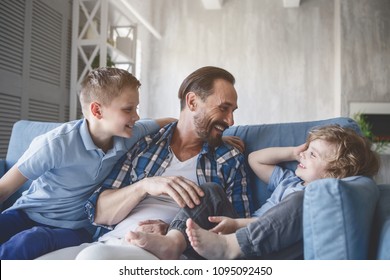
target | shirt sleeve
[
  {"x": 241, "y": 196},
  {"x": 42, "y": 155},
  {"x": 277, "y": 176},
  {"x": 141, "y": 128},
  {"x": 118, "y": 177}
]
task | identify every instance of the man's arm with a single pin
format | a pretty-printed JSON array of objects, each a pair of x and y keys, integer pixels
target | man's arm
[
  {"x": 263, "y": 161},
  {"x": 113, "y": 205}
]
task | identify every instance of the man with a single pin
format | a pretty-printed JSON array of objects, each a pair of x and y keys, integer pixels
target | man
[{"x": 164, "y": 171}]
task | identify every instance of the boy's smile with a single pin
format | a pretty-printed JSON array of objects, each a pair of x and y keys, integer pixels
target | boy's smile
[{"x": 314, "y": 160}]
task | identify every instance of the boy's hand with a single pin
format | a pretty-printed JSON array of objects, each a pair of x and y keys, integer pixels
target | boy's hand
[
  {"x": 225, "y": 225},
  {"x": 234, "y": 141},
  {"x": 299, "y": 149},
  {"x": 153, "y": 226}
]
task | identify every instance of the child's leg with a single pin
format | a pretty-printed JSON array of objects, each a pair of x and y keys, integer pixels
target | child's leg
[
  {"x": 165, "y": 247},
  {"x": 278, "y": 229},
  {"x": 214, "y": 203},
  {"x": 275, "y": 231},
  {"x": 13, "y": 222},
  {"x": 211, "y": 245},
  {"x": 172, "y": 245},
  {"x": 39, "y": 240},
  {"x": 67, "y": 253},
  {"x": 101, "y": 251}
]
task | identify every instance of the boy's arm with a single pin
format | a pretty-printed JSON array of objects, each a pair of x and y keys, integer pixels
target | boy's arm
[
  {"x": 164, "y": 121},
  {"x": 10, "y": 182},
  {"x": 226, "y": 225},
  {"x": 263, "y": 161}
]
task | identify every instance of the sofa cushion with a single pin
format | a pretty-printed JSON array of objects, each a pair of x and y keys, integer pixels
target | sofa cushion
[
  {"x": 337, "y": 218},
  {"x": 23, "y": 132}
]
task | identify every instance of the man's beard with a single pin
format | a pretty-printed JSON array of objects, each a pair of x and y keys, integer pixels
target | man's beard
[{"x": 204, "y": 127}]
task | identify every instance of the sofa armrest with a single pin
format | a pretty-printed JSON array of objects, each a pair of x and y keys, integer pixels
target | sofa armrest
[
  {"x": 2, "y": 172},
  {"x": 2, "y": 167},
  {"x": 338, "y": 216},
  {"x": 382, "y": 225}
]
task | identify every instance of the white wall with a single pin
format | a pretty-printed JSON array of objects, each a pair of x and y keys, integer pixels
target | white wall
[
  {"x": 281, "y": 58},
  {"x": 291, "y": 64}
]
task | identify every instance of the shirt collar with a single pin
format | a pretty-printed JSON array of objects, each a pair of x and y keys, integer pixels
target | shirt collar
[
  {"x": 86, "y": 136},
  {"x": 118, "y": 142},
  {"x": 165, "y": 134}
]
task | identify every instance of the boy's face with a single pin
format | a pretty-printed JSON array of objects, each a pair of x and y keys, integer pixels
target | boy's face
[
  {"x": 314, "y": 160},
  {"x": 119, "y": 117}
]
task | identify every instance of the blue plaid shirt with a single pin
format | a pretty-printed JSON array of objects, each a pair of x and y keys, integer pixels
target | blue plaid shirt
[{"x": 224, "y": 165}]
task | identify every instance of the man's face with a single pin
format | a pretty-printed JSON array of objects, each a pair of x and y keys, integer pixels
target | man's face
[{"x": 215, "y": 114}]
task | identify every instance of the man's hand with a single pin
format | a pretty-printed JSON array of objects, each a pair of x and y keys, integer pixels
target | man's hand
[
  {"x": 153, "y": 226},
  {"x": 234, "y": 141},
  {"x": 183, "y": 191}
]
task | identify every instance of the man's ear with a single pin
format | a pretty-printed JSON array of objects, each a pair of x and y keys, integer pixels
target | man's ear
[
  {"x": 191, "y": 100},
  {"x": 96, "y": 110}
]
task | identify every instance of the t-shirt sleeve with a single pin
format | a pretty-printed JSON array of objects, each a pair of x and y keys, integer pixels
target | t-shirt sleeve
[
  {"x": 277, "y": 176},
  {"x": 141, "y": 128},
  {"x": 42, "y": 155}
]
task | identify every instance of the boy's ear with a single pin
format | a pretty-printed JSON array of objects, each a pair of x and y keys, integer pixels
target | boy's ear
[{"x": 96, "y": 110}]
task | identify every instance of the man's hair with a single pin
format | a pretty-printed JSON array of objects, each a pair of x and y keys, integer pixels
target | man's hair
[
  {"x": 104, "y": 84},
  {"x": 354, "y": 155},
  {"x": 201, "y": 83}
]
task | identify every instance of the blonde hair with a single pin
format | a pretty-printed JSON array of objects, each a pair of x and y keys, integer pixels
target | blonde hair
[
  {"x": 353, "y": 156},
  {"x": 104, "y": 84}
]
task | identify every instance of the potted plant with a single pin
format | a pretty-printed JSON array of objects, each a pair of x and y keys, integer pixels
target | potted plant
[
  {"x": 96, "y": 62},
  {"x": 379, "y": 145}
]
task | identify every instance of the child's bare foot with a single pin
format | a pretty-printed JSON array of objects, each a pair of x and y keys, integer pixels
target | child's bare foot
[
  {"x": 165, "y": 247},
  {"x": 211, "y": 245}
]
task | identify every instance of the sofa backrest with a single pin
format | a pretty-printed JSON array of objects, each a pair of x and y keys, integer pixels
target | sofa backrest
[
  {"x": 23, "y": 132},
  {"x": 255, "y": 137},
  {"x": 261, "y": 136}
]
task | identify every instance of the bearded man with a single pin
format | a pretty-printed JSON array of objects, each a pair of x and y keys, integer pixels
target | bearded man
[{"x": 164, "y": 171}]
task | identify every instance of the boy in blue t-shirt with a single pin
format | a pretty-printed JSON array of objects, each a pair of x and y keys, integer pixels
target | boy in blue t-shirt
[{"x": 67, "y": 163}]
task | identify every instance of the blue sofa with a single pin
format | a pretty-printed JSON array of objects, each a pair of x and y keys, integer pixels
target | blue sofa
[{"x": 343, "y": 219}]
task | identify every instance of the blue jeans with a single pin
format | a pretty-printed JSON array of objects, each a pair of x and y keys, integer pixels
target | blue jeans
[
  {"x": 278, "y": 234},
  {"x": 24, "y": 239}
]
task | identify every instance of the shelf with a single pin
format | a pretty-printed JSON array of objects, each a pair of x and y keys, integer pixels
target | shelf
[
  {"x": 118, "y": 57},
  {"x": 95, "y": 23}
]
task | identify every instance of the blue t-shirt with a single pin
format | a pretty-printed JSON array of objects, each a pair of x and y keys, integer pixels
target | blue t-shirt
[
  {"x": 282, "y": 183},
  {"x": 66, "y": 167}
]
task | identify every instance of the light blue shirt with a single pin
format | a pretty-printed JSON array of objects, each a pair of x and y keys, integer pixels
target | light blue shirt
[
  {"x": 282, "y": 183},
  {"x": 66, "y": 167}
]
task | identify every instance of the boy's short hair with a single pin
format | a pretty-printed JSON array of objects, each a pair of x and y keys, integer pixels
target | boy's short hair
[
  {"x": 354, "y": 155},
  {"x": 104, "y": 84},
  {"x": 201, "y": 82}
]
